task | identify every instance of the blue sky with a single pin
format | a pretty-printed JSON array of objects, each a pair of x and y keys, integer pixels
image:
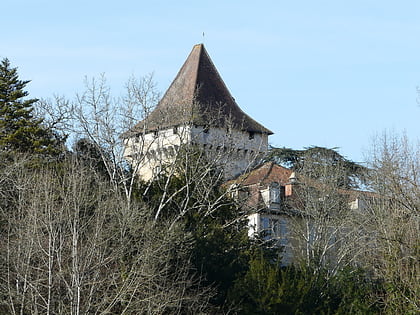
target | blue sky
[{"x": 327, "y": 73}]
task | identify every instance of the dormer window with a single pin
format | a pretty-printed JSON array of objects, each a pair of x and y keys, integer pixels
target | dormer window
[
  {"x": 272, "y": 196},
  {"x": 251, "y": 135},
  {"x": 275, "y": 193}
]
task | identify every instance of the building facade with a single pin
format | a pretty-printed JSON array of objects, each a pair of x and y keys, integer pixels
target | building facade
[
  {"x": 262, "y": 193},
  {"x": 306, "y": 218}
]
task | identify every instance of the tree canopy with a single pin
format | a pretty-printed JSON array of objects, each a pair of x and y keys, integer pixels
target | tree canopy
[{"x": 353, "y": 174}]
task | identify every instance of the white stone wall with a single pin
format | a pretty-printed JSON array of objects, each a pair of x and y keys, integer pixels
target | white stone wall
[
  {"x": 234, "y": 151},
  {"x": 148, "y": 152}
]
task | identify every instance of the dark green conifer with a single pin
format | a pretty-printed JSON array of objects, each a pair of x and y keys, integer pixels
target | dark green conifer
[{"x": 20, "y": 131}]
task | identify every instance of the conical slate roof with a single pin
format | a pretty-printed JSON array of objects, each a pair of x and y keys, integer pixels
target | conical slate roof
[{"x": 198, "y": 96}]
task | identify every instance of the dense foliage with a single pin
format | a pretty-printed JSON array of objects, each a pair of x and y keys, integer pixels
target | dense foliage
[{"x": 268, "y": 288}]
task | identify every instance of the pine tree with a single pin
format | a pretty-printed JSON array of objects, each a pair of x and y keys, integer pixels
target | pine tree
[{"x": 19, "y": 130}]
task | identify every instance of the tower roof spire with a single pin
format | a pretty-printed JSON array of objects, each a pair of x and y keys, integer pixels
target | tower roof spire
[{"x": 199, "y": 96}]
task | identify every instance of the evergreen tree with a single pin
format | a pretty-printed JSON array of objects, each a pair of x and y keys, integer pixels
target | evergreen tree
[
  {"x": 193, "y": 197},
  {"x": 353, "y": 174},
  {"x": 221, "y": 244},
  {"x": 92, "y": 156},
  {"x": 266, "y": 288},
  {"x": 19, "y": 130}
]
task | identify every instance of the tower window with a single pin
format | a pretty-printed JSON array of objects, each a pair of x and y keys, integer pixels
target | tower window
[{"x": 157, "y": 170}]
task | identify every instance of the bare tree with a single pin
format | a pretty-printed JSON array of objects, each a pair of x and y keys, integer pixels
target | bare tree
[
  {"x": 71, "y": 245},
  {"x": 325, "y": 230},
  {"x": 101, "y": 118},
  {"x": 107, "y": 123},
  {"x": 393, "y": 222}
]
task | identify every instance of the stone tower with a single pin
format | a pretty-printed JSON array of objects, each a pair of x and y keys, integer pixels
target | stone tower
[{"x": 197, "y": 109}]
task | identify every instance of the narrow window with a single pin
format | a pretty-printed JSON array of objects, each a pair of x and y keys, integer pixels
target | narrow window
[{"x": 265, "y": 225}]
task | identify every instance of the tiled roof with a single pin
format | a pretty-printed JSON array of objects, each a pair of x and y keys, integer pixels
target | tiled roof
[
  {"x": 198, "y": 96},
  {"x": 265, "y": 174}
]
